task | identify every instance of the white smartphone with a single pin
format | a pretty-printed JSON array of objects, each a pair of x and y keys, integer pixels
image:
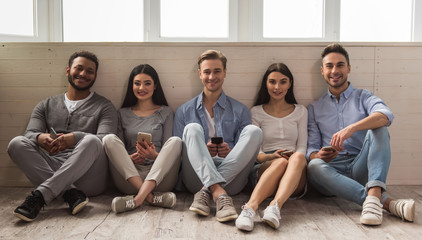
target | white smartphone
[{"x": 53, "y": 133}]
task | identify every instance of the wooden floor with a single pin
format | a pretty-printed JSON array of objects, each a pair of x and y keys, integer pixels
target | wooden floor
[{"x": 314, "y": 217}]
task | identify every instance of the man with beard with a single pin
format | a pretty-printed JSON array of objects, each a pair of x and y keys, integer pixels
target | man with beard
[
  {"x": 69, "y": 161},
  {"x": 349, "y": 144}
]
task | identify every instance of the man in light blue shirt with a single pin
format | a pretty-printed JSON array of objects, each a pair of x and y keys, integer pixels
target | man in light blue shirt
[
  {"x": 349, "y": 144},
  {"x": 210, "y": 166}
]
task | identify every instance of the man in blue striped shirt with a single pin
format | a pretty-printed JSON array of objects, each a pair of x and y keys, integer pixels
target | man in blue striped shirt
[{"x": 349, "y": 144}]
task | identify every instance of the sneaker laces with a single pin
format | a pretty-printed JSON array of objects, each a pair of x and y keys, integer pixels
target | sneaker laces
[
  {"x": 204, "y": 198},
  {"x": 130, "y": 204},
  {"x": 31, "y": 202},
  {"x": 247, "y": 211},
  {"x": 223, "y": 201},
  {"x": 157, "y": 199}
]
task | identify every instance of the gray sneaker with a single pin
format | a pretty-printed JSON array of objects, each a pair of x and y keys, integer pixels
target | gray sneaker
[
  {"x": 272, "y": 216},
  {"x": 201, "y": 203},
  {"x": 163, "y": 199},
  {"x": 225, "y": 210},
  {"x": 123, "y": 204}
]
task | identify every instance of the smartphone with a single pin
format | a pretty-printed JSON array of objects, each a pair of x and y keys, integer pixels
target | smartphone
[
  {"x": 217, "y": 140},
  {"x": 144, "y": 136},
  {"x": 287, "y": 153},
  {"x": 53, "y": 133},
  {"x": 328, "y": 148}
]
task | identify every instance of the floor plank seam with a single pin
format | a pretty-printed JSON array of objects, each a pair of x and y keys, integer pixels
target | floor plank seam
[{"x": 95, "y": 228}]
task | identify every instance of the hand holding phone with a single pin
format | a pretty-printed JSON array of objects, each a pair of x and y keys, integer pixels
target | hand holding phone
[
  {"x": 217, "y": 140},
  {"x": 287, "y": 153},
  {"x": 328, "y": 148},
  {"x": 147, "y": 137},
  {"x": 53, "y": 133}
]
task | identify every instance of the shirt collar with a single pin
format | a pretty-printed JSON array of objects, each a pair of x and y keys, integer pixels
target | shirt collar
[
  {"x": 345, "y": 94},
  {"x": 221, "y": 100}
]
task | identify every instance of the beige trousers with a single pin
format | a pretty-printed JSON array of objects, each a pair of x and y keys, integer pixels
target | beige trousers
[{"x": 164, "y": 171}]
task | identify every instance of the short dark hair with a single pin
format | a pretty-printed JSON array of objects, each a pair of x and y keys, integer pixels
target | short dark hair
[
  {"x": 158, "y": 97},
  {"x": 336, "y": 48},
  {"x": 263, "y": 96},
  {"x": 212, "y": 54},
  {"x": 89, "y": 55}
]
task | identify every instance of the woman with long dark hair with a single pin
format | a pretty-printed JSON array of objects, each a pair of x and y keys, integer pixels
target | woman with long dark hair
[
  {"x": 281, "y": 163},
  {"x": 146, "y": 170}
]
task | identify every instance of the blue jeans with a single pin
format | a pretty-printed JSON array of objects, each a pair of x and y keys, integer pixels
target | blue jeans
[
  {"x": 199, "y": 169},
  {"x": 350, "y": 176}
]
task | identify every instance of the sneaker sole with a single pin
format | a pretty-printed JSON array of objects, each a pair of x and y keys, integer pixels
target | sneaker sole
[
  {"x": 245, "y": 227},
  {"x": 228, "y": 218},
  {"x": 80, "y": 206},
  {"x": 199, "y": 211},
  {"x": 270, "y": 223},
  {"x": 411, "y": 211},
  {"x": 22, "y": 217},
  {"x": 370, "y": 222}
]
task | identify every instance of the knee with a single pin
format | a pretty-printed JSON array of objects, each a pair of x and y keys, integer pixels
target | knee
[
  {"x": 92, "y": 142},
  {"x": 279, "y": 163},
  {"x": 298, "y": 160},
  {"x": 17, "y": 144},
  {"x": 193, "y": 129},
  {"x": 176, "y": 142},
  {"x": 109, "y": 140},
  {"x": 315, "y": 166},
  {"x": 254, "y": 133},
  {"x": 380, "y": 134}
]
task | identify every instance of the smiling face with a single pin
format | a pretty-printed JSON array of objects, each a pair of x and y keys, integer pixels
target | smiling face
[
  {"x": 277, "y": 85},
  {"x": 212, "y": 74},
  {"x": 82, "y": 74},
  {"x": 335, "y": 70},
  {"x": 143, "y": 87}
]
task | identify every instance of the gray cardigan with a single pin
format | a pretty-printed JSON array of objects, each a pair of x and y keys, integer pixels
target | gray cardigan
[{"x": 96, "y": 116}]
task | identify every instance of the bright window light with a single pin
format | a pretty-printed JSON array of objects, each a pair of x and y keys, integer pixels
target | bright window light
[
  {"x": 103, "y": 21},
  {"x": 293, "y": 19},
  {"x": 17, "y": 17},
  {"x": 376, "y": 20},
  {"x": 194, "y": 18}
]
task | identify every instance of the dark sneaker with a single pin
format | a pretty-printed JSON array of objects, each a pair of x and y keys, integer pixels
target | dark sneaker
[
  {"x": 123, "y": 204},
  {"x": 30, "y": 208},
  {"x": 163, "y": 199},
  {"x": 225, "y": 210},
  {"x": 76, "y": 200},
  {"x": 201, "y": 203}
]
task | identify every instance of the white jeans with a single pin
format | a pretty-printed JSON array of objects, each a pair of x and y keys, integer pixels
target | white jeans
[{"x": 164, "y": 171}]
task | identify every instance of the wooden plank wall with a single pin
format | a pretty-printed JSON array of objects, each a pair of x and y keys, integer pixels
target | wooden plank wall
[{"x": 30, "y": 72}]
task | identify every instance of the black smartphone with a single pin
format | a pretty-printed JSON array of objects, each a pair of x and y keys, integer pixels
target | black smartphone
[
  {"x": 328, "y": 148},
  {"x": 287, "y": 153},
  {"x": 216, "y": 140}
]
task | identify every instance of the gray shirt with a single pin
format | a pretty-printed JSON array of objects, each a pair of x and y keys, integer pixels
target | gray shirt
[
  {"x": 95, "y": 116},
  {"x": 159, "y": 124}
]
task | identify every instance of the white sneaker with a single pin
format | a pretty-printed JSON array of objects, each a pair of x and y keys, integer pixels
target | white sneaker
[
  {"x": 371, "y": 211},
  {"x": 245, "y": 219},
  {"x": 403, "y": 208},
  {"x": 272, "y": 216}
]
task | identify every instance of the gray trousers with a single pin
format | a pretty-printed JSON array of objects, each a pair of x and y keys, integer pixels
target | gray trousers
[{"x": 84, "y": 167}]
